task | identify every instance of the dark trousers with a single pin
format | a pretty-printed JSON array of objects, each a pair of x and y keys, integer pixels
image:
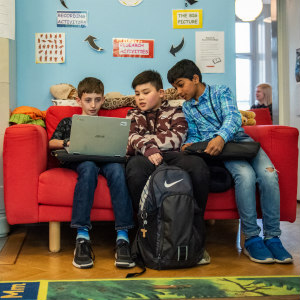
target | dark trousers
[
  {"x": 85, "y": 188},
  {"x": 139, "y": 168}
]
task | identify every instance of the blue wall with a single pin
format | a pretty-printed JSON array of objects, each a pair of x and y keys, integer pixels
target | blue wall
[{"x": 108, "y": 19}]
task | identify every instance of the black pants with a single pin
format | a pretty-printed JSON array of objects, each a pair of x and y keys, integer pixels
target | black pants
[{"x": 139, "y": 168}]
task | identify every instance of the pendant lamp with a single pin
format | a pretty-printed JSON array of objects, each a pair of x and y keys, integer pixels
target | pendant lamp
[{"x": 248, "y": 10}]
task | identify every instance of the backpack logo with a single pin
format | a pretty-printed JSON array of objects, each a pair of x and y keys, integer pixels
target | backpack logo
[{"x": 167, "y": 185}]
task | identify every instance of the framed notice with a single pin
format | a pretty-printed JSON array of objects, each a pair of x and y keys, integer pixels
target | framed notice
[
  {"x": 123, "y": 47},
  {"x": 50, "y": 48},
  {"x": 210, "y": 56},
  {"x": 187, "y": 18}
]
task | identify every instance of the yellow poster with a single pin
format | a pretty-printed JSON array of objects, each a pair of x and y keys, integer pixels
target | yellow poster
[{"x": 187, "y": 18}]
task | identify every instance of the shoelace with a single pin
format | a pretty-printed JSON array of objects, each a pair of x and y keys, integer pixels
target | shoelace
[
  {"x": 123, "y": 248},
  {"x": 87, "y": 249}
]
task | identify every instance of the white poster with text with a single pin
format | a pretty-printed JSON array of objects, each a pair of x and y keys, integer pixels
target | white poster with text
[{"x": 210, "y": 56}]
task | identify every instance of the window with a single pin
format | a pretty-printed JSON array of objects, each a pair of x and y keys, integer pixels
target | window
[
  {"x": 253, "y": 57},
  {"x": 243, "y": 64}
]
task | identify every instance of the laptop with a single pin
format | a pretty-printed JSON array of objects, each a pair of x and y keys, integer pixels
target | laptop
[{"x": 102, "y": 139}]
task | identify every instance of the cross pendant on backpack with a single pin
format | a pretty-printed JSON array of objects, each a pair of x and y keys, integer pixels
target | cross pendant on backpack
[{"x": 143, "y": 230}]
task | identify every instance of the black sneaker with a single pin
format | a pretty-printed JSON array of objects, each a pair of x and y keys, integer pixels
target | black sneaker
[
  {"x": 123, "y": 255},
  {"x": 83, "y": 254}
]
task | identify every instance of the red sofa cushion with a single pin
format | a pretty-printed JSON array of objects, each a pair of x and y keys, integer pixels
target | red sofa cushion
[
  {"x": 61, "y": 181},
  {"x": 263, "y": 116}
]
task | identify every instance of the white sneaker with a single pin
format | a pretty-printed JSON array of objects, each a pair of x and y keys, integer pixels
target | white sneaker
[{"x": 205, "y": 260}]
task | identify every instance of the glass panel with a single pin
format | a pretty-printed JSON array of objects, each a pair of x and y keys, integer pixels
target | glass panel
[
  {"x": 243, "y": 105},
  {"x": 242, "y": 37},
  {"x": 243, "y": 80}
]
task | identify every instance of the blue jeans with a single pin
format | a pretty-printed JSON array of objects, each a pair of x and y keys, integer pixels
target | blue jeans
[
  {"x": 85, "y": 189},
  {"x": 246, "y": 173}
]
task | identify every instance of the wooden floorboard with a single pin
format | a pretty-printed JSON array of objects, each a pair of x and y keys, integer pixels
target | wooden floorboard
[
  {"x": 35, "y": 262},
  {"x": 12, "y": 247}
]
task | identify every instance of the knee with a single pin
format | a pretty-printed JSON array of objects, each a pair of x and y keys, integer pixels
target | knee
[
  {"x": 88, "y": 170},
  {"x": 137, "y": 167},
  {"x": 116, "y": 172},
  {"x": 199, "y": 167},
  {"x": 245, "y": 177},
  {"x": 268, "y": 175}
]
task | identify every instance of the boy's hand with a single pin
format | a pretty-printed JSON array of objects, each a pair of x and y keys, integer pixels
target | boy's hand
[
  {"x": 186, "y": 145},
  {"x": 215, "y": 146},
  {"x": 156, "y": 158}
]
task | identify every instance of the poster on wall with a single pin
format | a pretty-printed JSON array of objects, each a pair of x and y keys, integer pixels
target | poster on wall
[
  {"x": 7, "y": 19},
  {"x": 187, "y": 18},
  {"x": 297, "y": 68},
  {"x": 123, "y": 47},
  {"x": 65, "y": 18},
  {"x": 210, "y": 56},
  {"x": 50, "y": 48}
]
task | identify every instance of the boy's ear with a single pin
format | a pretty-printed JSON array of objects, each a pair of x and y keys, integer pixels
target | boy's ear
[
  {"x": 195, "y": 78},
  {"x": 161, "y": 93},
  {"x": 78, "y": 100}
]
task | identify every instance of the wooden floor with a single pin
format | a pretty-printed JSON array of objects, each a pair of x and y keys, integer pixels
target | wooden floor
[{"x": 35, "y": 262}]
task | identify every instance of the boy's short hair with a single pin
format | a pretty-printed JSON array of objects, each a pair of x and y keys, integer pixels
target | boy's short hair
[
  {"x": 184, "y": 69},
  {"x": 90, "y": 85},
  {"x": 148, "y": 76}
]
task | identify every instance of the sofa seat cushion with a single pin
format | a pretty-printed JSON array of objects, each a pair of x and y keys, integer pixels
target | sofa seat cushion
[
  {"x": 225, "y": 202},
  {"x": 56, "y": 187}
]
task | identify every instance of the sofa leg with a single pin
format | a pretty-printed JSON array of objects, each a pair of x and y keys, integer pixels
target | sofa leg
[{"x": 54, "y": 236}]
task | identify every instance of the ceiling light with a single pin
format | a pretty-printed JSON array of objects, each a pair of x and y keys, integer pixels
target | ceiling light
[{"x": 248, "y": 10}]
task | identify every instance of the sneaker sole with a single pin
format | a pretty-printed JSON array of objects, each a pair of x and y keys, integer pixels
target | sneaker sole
[
  {"x": 124, "y": 265},
  {"x": 266, "y": 261},
  {"x": 85, "y": 266},
  {"x": 286, "y": 261},
  {"x": 203, "y": 262}
]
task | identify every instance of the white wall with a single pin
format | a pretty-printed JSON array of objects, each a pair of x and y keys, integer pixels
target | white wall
[
  {"x": 5, "y": 86},
  {"x": 292, "y": 42}
]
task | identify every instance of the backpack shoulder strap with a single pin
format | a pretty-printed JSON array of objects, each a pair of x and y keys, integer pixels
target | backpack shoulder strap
[{"x": 137, "y": 258}]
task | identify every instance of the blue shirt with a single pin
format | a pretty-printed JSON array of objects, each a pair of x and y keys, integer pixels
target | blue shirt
[{"x": 203, "y": 125}]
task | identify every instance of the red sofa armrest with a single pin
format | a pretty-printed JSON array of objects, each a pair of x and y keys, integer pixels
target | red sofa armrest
[
  {"x": 281, "y": 145},
  {"x": 24, "y": 159}
]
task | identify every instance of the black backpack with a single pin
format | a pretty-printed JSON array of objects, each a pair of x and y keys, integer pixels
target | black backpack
[{"x": 171, "y": 229}]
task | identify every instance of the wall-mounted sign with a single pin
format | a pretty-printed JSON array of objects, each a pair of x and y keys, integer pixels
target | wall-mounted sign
[
  {"x": 133, "y": 48},
  {"x": 50, "y": 48},
  {"x": 187, "y": 18},
  {"x": 7, "y": 19},
  {"x": 66, "y": 18},
  {"x": 210, "y": 56},
  {"x": 130, "y": 2}
]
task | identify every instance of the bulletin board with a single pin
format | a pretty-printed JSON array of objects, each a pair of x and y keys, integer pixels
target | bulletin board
[{"x": 89, "y": 42}]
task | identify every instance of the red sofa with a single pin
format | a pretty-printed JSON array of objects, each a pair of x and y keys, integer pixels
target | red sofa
[{"x": 36, "y": 190}]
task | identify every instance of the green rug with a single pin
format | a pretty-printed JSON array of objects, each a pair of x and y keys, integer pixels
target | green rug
[{"x": 275, "y": 287}]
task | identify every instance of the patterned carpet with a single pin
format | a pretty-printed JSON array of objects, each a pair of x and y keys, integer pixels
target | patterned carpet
[{"x": 254, "y": 287}]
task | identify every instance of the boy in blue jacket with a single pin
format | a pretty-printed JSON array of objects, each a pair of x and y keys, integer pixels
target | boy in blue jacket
[{"x": 212, "y": 115}]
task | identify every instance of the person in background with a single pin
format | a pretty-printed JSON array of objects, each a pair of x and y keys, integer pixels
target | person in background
[{"x": 264, "y": 97}]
